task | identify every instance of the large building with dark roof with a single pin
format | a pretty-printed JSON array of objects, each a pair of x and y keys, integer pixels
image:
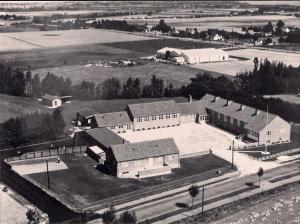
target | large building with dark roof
[
  {"x": 255, "y": 124},
  {"x": 137, "y": 159}
]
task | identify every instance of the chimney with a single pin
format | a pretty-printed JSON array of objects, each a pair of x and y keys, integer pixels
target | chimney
[
  {"x": 228, "y": 102},
  {"x": 190, "y": 98},
  {"x": 216, "y": 98},
  {"x": 257, "y": 111},
  {"x": 242, "y": 107}
]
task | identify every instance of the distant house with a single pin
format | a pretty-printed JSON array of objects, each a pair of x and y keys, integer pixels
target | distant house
[
  {"x": 116, "y": 121},
  {"x": 154, "y": 115},
  {"x": 143, "y": 159},
  {"x": 217, "y": 37},
  {"x": 286, "y": 30},
  {"x": 84, "y": 117},
  {"x": 51, "y": 101},
  {"x": 167, "y": 51},
  {"x": 258, "y": 42},
  {"x": 195, "y": 56}
]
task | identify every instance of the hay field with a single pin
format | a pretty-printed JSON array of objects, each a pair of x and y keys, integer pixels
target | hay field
[
  {"x": 234, "y": 66},
  {"x": 50, "y": 39}
]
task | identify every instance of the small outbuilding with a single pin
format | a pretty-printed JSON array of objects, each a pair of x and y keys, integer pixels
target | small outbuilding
[{"x": 51, "y": 101}]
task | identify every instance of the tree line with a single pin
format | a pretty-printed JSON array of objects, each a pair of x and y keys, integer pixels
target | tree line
[
  {"x": 32, "y": 128},
  {"x": 249, "y": 87}
]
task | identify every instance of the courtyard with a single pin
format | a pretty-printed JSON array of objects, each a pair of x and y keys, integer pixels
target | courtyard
[{"x": 193, "y": 138}]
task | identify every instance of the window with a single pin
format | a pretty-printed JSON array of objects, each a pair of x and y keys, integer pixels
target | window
[
  {"x": 168, "y": 116},
  {"x": 225, "y": 118},
  {"x": 174, "y": 115},
  {"x": 89, "y": 121},
  {"x": 124, "y": 164},
  {"x": 137, "y": 162},
  {"x": 146, "y": 118},
  {"x": 153, "y": 118},
  {"x": 269, "y": 133},
  {"x": 128, "y": 126},
  {"x": 139, "y": 119},
  {"x": 120, "y": 126},
  {"x": 161, "y": 117}
]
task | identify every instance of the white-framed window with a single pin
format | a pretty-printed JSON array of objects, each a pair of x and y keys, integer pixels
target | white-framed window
[
  {"x": 89, "y": 121},
  {"x": 146, "y": 118},
  {"x": 174, "y": 115},
  {"x": 139, "y": 119},
  {"x": 124, "y": 164},
  {"x": 120, "y": 126},
  {"x": 160, "y": 117},
  {"x": 128, "y": 126},
  {"x": 168, "y": 116},
  {"x": 153, "y": 117}
]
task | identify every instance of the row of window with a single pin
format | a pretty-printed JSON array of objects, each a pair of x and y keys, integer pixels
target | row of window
[
  {"x": 128, "y": 126},
  {"x": 156, "y": 159},
  {"x": 154, "y": 117}
]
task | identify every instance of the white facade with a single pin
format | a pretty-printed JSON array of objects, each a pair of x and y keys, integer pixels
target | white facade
[{"x": 197, "y": 56}]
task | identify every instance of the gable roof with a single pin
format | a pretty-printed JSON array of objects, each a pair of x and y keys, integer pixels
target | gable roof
[
  {"x": 195, "y": 107},
  {"x": 50, "y": 97},
  {"x": 111, "y": 119},
  {"x": 142, "y": 150},
  {"x": 153, "y": 108},
  {"x": 253, "y": 121},
  {"x": 105, "y": 137},
  {"x": 85, "y": 112}
]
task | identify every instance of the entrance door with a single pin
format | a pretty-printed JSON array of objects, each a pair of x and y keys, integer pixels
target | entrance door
[{"x": 150, "y": 163}]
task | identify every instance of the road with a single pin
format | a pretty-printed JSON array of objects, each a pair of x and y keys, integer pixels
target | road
[{"x": 161, "y": 207}]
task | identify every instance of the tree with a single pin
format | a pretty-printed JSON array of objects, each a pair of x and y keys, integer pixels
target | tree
[
  {"x": 255, "y": 61},
  {"x": 128, "y": 217},
  {"x": 260, "y": 173},
  {"x": 280, "y": 24},
  {"x": 58, "y": 123},
  {"x": 34, "y": 216},
  {"x": 268, "y": 28},
  {"x": 36, "y": 86},
  {"x": 109, "y": 215},
  {"x": 111, "y": 88},
  {"x": 162, "y": 26},
  {"x": 193, "y": 191}
]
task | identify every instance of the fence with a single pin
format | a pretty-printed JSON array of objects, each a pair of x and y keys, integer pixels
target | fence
[
  {"x": 156, "y": 189},
  {"x": 47, "y": 153},
  {"x": 277, "y": 154}
]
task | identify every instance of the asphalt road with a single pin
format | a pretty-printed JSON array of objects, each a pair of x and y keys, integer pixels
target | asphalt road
[{"x": 158, "y": 208}]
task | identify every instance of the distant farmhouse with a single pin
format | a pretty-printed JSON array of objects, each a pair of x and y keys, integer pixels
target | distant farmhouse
[
  {"x": 192, "y": 56},
  {"x": 51, "y": 101},
  {"x": 143, "y": 159}
]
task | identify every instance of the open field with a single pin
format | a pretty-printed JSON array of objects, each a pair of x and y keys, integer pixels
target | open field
[
  {"x": 234, "y": 66},
  {"x": 292, "y": 98},
  {"x": 178, "y": 75},
  {"x": 12, "y": 106},
  {"x": 79, "y": 188},
  {"x": 195, "y": 137},
  {"x": 281, "y": 208},
  {"x": 50, "y": 39}
]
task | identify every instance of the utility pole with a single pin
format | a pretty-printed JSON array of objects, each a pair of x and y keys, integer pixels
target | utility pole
[
  {"x": 48, "y": 175},
  {"x": 202, "y": 209},
  {"x": 266, "y": 146},
  {"x": 232, "y": 154}
]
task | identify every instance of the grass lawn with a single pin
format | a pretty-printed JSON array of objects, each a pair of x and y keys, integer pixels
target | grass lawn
[
  {"x": 12, "y": 106},
  {"x": 82, "y": 183},
  {"x": 105, "y": 106}
]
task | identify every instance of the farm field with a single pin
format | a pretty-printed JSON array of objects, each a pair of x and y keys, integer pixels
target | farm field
[
  {"x": 195, "y": 138},
  {"x": 286, "y": 97},
  {"x": 235, "y": 66},
  {"x": 178, "y": 75},
  {"x": 283, "y": 208},
  {"x": 79, "y": 188},
  {"x": 50, "y": 39},
  {"x": 12, "y": 106}
]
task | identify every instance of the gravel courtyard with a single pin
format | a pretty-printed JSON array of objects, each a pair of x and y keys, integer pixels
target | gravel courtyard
[{"x": 192, "y": 138}]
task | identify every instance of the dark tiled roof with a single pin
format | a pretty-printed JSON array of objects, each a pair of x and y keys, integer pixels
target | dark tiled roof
[
  {"x": 85, "y": 112},
  {"x": 195, "y": 107},
  {"x": 105, "y": 136},
  {"x": 50, "y": 97},
  {"x": 111, "y": 119},
  {"x": 254, "y": 121},
  {"x": 153, "y": 108},
  {"x": 141, "y": 150}
]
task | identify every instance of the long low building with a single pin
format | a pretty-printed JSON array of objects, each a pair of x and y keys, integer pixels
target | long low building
[{"x": 252, "y": 123}]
